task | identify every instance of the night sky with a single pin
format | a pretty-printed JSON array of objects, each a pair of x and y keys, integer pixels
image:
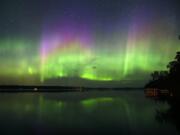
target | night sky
[{"x": 104, "y": 41}]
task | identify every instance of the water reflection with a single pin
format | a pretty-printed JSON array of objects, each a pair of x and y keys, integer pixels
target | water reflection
[
  {"x": 171, "y": 115},
  {"x": 88, "y": 112}
]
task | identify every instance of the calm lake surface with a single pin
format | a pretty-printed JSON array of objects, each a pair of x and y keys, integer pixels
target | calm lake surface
[{"x": 106, "y": 112}]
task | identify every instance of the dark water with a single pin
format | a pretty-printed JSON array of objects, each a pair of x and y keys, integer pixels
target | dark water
[{"x": 114, "y": 112}]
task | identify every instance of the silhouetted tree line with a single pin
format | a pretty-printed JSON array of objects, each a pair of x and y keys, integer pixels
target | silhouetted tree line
[{"x": 169, "y": 79}]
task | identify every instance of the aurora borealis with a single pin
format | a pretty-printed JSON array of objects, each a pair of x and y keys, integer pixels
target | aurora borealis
[{"x": 99, "y": 40}]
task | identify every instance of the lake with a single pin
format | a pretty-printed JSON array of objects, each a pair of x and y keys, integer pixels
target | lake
[{"x": 92, "y": 112}]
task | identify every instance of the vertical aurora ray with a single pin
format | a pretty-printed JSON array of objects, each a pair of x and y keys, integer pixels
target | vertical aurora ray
[
  {"x": 110, "y": 41},
  {"x": 65, "y": 53},
  {"x": 70, "y": 52}
]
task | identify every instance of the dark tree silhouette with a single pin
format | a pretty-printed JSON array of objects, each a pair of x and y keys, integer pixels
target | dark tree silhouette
[
  {"x": 167, "y": 79},
  {"x": 174, "y": 66},
  {"x": 170, "y": 81},
  {"x": 155, "y": 75},
  {"x": 177, "y": 56}
]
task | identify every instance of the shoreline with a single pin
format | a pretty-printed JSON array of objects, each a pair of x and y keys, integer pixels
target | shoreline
[{"x": 11, "y": 89}]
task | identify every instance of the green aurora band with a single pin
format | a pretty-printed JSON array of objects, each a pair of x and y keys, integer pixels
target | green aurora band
[
  {"x": 112, "y": 56},
  {"x": 68, "y": 49},
  {"x": 21, "y": 58}
]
